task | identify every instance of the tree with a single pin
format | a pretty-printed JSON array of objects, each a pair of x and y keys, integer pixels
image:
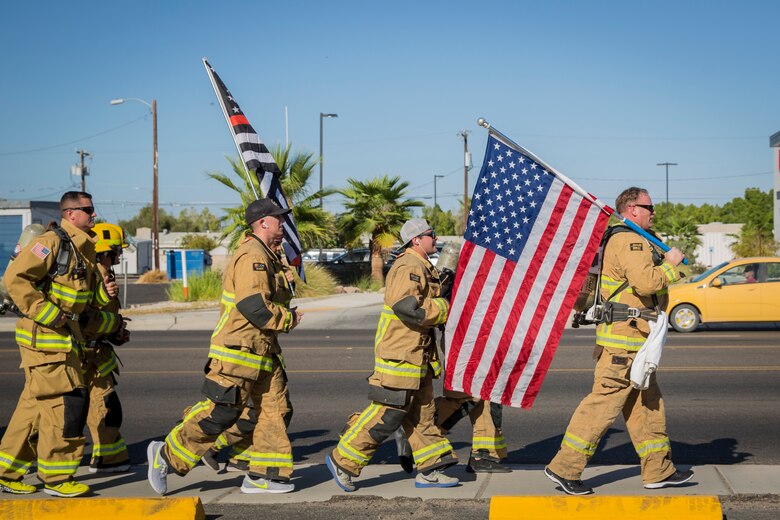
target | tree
[
  {"x": 684, "y": 235},
  {"x": 198, "y": 242},
  {"x": 377, "y": 207},
  {"x": 315, "y": 226},
  {"x": 189, "y": 220},
  {"x": 444, "y": 221},
  {"x": 755, "y": 210}
]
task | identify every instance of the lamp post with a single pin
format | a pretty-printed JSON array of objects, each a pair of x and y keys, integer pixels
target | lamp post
[
  {"x": 434, "y": 198},
  {"x": 155, "y": 205},
  {"x": 322, "y": 116},
  {"x": 667, "y": 164}
]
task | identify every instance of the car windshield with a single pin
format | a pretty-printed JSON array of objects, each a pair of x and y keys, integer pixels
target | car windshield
[{"x": 705, "y": 274}]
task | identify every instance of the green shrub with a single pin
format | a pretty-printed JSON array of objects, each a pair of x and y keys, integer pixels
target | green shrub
[
  {"x": 366, "y": 284},
  {"x": 319, "y": 282},
  {"x": 201, "y": 287}
]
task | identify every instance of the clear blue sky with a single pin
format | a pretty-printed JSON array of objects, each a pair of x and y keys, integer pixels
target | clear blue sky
[{"x": 602, "y": 91}]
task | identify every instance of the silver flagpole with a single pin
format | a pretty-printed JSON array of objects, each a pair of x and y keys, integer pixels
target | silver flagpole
[
  {"x": 573, "y": 185},
  {"x": 230, "y": 127}
]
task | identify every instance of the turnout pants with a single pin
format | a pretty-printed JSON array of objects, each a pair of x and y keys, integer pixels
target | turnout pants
[
  {"x": 47, "y": 424},
  {"x": 487, "y": 437},
  {"x": 103, "y": 420},
  {"x": 365, "y": 431},
  {"x": 270, "y": 455},
  {"x": 612, "y": 394}
]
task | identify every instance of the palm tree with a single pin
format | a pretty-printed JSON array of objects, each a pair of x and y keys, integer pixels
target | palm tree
[
  {"x": 377, "y": 207},
  {"x": 314, "y": 225}
]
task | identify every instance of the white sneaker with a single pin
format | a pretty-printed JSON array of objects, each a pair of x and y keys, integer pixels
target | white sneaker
[
  {"x": 158, "y": 468},
  {"x": 434, "y": 479},
  {"x": 261, "y": 485}
]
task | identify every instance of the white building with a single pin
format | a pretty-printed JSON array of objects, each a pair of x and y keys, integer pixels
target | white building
[
  {"x": 774, "y": 143},
  {"x": 716, "y": 240}
]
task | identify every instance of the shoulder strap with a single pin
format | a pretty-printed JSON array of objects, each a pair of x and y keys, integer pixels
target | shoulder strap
[
  {"x": 63, "y": 255},
  {"x": 609, "y": 233}
]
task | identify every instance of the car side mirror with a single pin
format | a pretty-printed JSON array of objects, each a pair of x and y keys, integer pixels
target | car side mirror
[{"x": 717, "y": 282}]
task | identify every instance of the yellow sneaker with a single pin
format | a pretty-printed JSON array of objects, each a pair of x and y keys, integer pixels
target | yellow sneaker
[
  {"x": 17, "y": 488},
  {"x": 67, "y": 489}
]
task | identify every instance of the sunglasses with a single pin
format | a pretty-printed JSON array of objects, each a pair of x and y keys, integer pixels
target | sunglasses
[
  {"x": 430, "y": 233},
  {"x": 89, "y": 210},
  {"x": 648, "y": 207}
]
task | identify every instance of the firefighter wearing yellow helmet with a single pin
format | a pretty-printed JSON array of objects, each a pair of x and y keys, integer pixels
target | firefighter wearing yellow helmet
[{"x": 109, "y": 452}]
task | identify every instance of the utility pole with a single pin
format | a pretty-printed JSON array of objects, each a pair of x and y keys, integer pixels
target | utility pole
[
  {"x": 82, "y": 168},
  {"x": 667, "y": 164},
  {"x": 466, "y": 167}
]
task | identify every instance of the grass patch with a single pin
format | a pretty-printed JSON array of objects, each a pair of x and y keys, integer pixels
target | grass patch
[
  {"x": 201, "y": 287},
  {"x": 366, "y": 284},
  {"x": 319, "y": 282},
  {"x": 153, "y": 277}
]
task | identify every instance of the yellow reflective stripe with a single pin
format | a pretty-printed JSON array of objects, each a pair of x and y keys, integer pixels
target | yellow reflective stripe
[
  {"x": 345, "y": 448},
  {"x": 12, "y": 464},
  {"x": 237, "y": 357},
  {"x": 669, "y": 271},
  {"x": 228, "y": 298},
  {"x": 103, "y": 450},
  {"x": 108, "y": 367},
  {"x": 239, "y": 453},
  {"x": 220, "y": 443},
  {"x": 606, "y": 338},
  {"x": 102, "y": 297},
  {"x": 287, "y": 320},
  {"x": 653, "y": 446},
  {"x": 436, "y": 366},
  {"x": 70, "y": 295},
  {"x": 107, "y": 322},
  {"x": 271, "y": 460},
  {"x": 48, "y": 315},
  {"x": 58, "y": 467},
  {"x": 399, "y": 368},
  {"x": 444, "y": 309},
  {"x": 428, "y": 452},
  {"x": 182, "y": 453},
  {"x": 44, "y": 341},
  {"x": 580, "y": 445},
  {"x": 487, "y": 443}
]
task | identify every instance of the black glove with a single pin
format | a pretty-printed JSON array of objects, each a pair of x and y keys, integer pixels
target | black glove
[
  {"x": 121, "y": 335},
  {"x": 447, "y": 281}
]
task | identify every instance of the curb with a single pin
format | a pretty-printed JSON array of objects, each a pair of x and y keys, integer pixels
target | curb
[
  {"x": 188, "y": 508},
  {"x": 598, "y": 508}
]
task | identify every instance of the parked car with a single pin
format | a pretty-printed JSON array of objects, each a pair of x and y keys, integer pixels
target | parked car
[
  {"x": 743, "y": 290},
  {"x": 350, "y": 266}
]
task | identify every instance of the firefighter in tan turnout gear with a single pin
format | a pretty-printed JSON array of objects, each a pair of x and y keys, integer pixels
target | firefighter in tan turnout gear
[
  {"x": 406, "y": 361},
  {"x": 53, "y": 281},
  {"x": 633, "y": 276},
  {"x": 245, "y": 363},
  {"x": 109, "y": 452}
]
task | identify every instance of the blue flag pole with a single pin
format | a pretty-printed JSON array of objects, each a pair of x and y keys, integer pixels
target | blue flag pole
[{"x": 573, "y": 185}]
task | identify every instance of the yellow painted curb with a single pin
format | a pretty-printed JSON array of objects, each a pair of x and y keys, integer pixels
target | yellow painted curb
[
  {"x": 601, "y": 507},
  {"x": 187, "y": 508}
]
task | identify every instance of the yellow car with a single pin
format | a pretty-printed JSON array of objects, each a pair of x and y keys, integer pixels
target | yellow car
[{"x": 743, "y": 290}]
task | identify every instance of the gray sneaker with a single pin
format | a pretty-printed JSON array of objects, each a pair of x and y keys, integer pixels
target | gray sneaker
[
  {"x": 435, "y": 479},
  {"x": 262, "y": 485},
  {"x": 342, "y": 478},
  {"x": 209, "y": 460},
  {"x": 158, "y": 468}
]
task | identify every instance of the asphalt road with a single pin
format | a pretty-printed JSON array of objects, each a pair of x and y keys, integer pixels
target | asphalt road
[{"x": 720, "y": 387}]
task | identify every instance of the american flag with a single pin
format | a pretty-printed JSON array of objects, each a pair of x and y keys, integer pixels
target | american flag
[
  {"x": 258, "y": 160},
  {"x": 529, "y": 242}
]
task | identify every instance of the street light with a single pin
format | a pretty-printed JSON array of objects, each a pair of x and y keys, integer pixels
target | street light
[
  {"x": 434, "y": 198},
  {"x": 155, "y": 205},
  {"x": 322, "y": 116},
  {"x": 667, "y": 164}
]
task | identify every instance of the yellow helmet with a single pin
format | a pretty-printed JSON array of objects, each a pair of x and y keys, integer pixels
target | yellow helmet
[{"x": 109, "y": 237}]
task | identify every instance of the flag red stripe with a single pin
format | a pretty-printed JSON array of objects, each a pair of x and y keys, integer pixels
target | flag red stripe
[
  {"x": 239, "y": 119},
  {"x": 563, "y": 316}
]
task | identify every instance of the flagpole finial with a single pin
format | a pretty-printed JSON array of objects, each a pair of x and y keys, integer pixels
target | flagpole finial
[{"x": 481, "y": 122}]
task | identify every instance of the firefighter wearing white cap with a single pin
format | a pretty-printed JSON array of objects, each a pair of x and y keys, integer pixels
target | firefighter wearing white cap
[
  {"x": 245, "y": 363},
  {"x": 406, "y": 361},
  {"x": 109, "y": 452}
]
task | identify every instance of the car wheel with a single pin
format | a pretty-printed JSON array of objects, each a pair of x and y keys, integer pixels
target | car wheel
[{"x": 685, "y": 318}]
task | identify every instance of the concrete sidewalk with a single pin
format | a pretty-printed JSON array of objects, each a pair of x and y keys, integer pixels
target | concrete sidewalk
[{"x": 314, "y": 484}]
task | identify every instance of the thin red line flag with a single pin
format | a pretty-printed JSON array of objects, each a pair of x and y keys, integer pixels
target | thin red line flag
[
  {"x": 258, "y": 160},
  {"x": 529, "y": 242}
]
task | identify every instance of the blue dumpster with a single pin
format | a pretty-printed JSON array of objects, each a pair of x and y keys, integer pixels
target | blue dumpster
[{"x": 197, "y": 259}]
